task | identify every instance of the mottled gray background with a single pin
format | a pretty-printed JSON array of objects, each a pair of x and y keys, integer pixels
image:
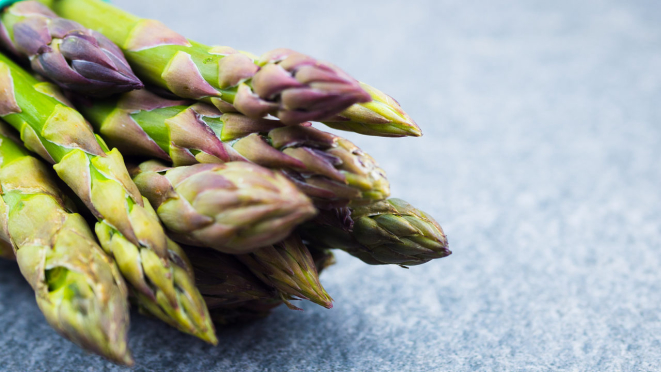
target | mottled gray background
[{"x": 541, "y": 159}]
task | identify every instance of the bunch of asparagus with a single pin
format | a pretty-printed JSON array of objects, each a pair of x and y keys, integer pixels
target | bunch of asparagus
[{"x": 215, "y": 199}]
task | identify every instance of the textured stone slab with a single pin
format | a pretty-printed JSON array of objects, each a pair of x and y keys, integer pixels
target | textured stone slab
[{"x": 540, "y": 159}]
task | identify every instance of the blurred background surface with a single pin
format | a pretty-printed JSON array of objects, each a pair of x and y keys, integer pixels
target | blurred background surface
[{"x": 541, "y": 158}]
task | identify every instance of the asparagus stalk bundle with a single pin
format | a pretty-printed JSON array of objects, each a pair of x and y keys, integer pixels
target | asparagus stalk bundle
[
  {"x": 65, "y": 52},
  {"x": 386, "y": 232},
  {"x": 235, "y": 207},
  {"x": 128, "y": 228},
  {"x": 329, "y": 169},
  {"x": 286, "y": 84},
  {"x": 77, "y": 286},
  {"x": 258, "y": 202}
]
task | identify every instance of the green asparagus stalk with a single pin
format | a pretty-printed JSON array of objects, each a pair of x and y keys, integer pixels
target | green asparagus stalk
[
  {"x": 383, "y": 117},
  {"x": 386, "y": 232},
  {"x": 235, "y": 207},
  {"x": 286, "y": 84},
  {"x": 289, "y": 267},
  {"x": 64, "y": 51},
  {"x": 329, "y": 169},
  {"x": 128, "y": 228},
  {"x": 77, "y": 286},
  {"x": 260, "y": 307}
]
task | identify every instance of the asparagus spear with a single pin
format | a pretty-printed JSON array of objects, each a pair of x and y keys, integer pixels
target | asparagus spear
[
  {"x": 383, "y": 117},
  {"x": 77, "y": 286},
  {"x": 235, "y": 207},
  {"x": 289, "y": 267},
  {"x": 329, "y": 169},
  {"x": 386, "y": 232},
  {"x": 291, "y": 86},
  {"x": 232, "y": 293},
  {"x": 65, "y": 52},
  {"x": 257, "y": 308},
  {"x": 128, "y": 228}
]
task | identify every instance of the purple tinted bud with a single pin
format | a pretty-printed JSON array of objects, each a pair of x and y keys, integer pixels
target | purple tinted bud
[
  {"x": 271, "y": 80},
  {"x": 59, "y": 27},
  {"x": 31, "y": 34},
  {"x": 298, "y": 88},
  {"x": 77, "y": 46},
  {"x": 70, "y": 55},
  {"x": 94, "y": 71},
  {"x": 53, "y": 66}
]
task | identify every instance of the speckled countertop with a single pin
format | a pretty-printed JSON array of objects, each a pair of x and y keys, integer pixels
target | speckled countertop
[{"x": 541, "y": 159}]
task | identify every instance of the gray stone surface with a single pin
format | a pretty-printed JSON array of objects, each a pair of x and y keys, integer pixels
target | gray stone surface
[{"x": 540, "y": 159}]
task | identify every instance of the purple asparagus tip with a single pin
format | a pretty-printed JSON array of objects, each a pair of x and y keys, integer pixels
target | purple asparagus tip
[
  {"x": 297, "y": 88},
  {"x": 70, "y": 55}
]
